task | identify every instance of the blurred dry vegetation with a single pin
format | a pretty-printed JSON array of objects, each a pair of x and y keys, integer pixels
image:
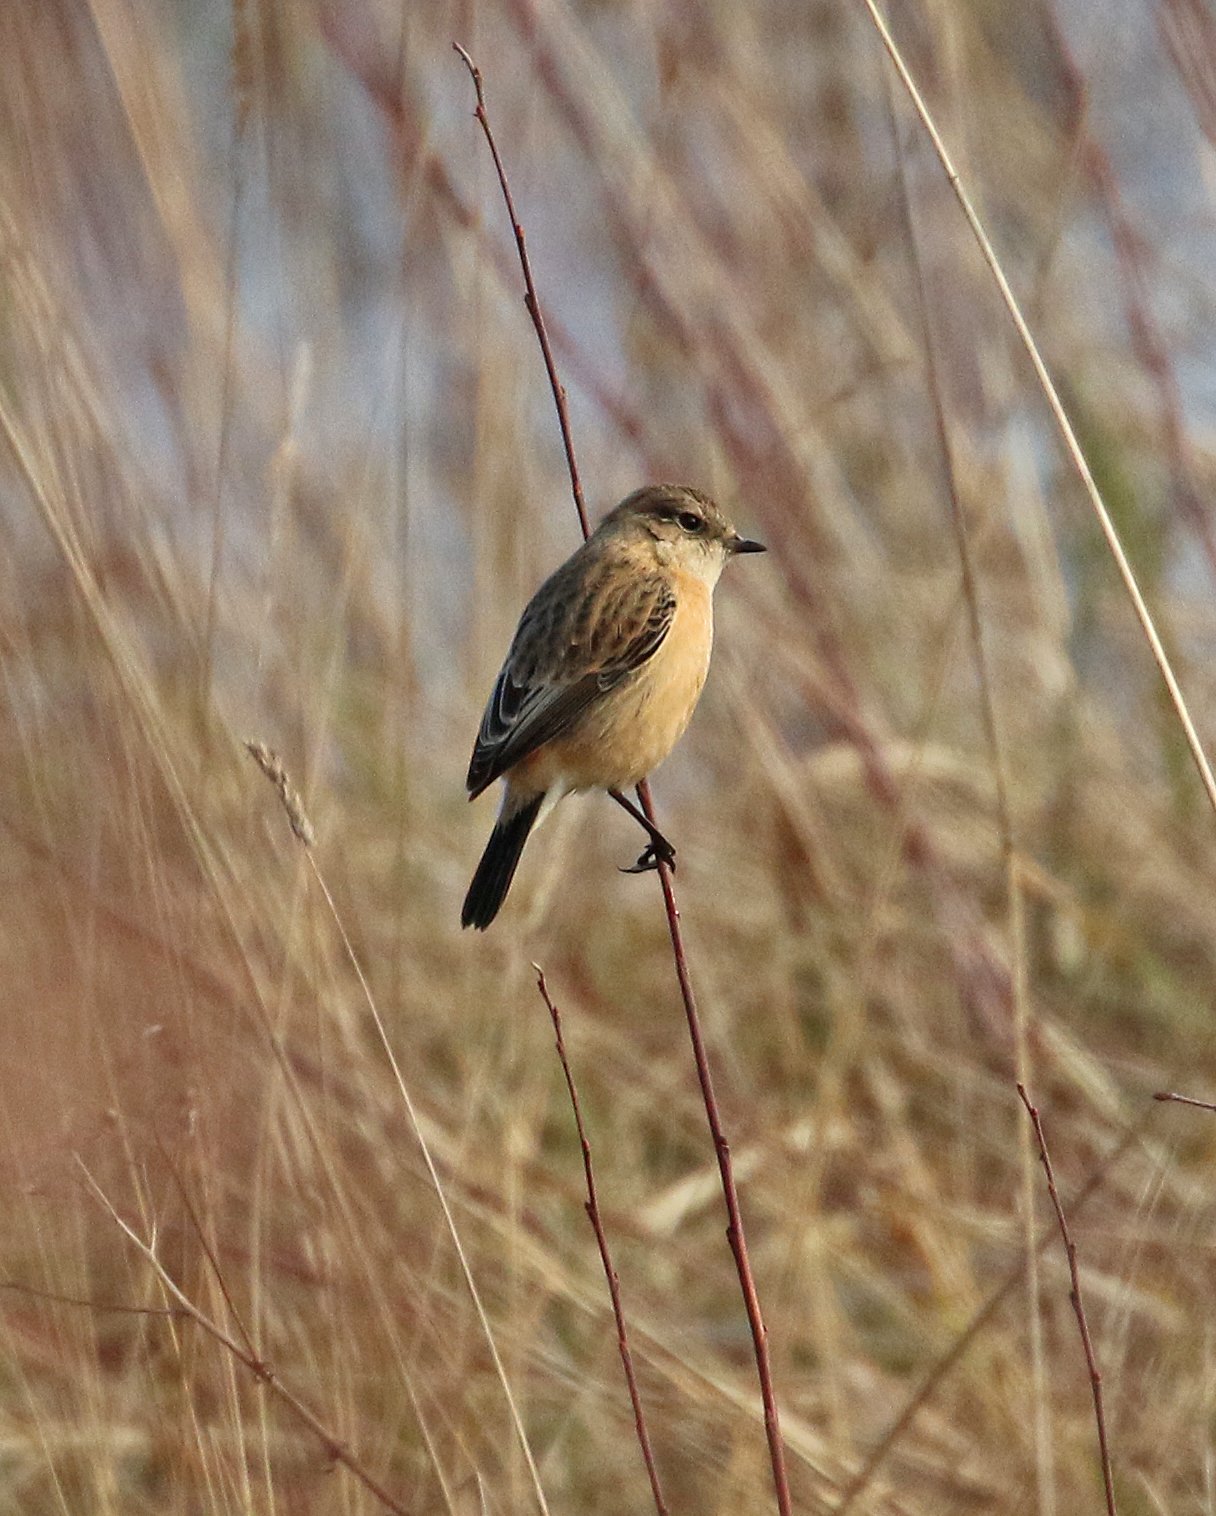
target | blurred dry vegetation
[{"x": 278, "y": 460}]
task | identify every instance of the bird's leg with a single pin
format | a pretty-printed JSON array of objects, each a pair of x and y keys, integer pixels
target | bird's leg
[{"x": 659, "y": 849}]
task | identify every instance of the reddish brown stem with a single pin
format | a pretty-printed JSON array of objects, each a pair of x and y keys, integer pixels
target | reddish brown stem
[
  {"x": 735, "y": 1233},
  {"x": 610, "y": 1273},
  {"x": 350, "y": 31},
  {"x": 735, "y": 1230},
  {"x": 530, "y": 297},
  {"x": 1078, "y": 1305},
  {"x": 957, "y": 1351}
]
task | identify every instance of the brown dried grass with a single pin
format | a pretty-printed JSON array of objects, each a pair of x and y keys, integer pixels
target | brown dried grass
[{"x": 300, "y": 493}]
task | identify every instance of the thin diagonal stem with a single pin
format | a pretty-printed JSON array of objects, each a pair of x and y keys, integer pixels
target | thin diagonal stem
[
  {"x": 272, "y": 766},
  {"x": 440, "y": 1191},
  {"x": 335, "y": 1449},
  {"x": 530, "y": 297},
  {"x": 957, "y": 1351},
  {"x": 735, "y": 1233},
  {"x": 1078, "y": 1304},
  {"x": 597, "y": 1226},
  {"x": 1056, "y": 406},
  {"x": 1202, "y": 1105},
  {"x": 1044, "y": 1457},
  {"x": 109, "y": 1307}
]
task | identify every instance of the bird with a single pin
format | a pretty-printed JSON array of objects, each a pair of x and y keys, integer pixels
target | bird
[{"x": 602, "y": 676}]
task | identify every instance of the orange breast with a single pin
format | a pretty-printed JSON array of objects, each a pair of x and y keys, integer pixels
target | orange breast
[{"x": 629, "y": 732}]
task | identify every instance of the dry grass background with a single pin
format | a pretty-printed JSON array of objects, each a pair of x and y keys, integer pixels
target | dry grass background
[{"x": 279, "y": 461}]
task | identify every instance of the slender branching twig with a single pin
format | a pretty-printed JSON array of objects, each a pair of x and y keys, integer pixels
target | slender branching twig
[
  {"x": 736, "y": 1234},
  {"x": 592, "y": 1208},
  {"x": 957, "y": 1351},
  {"x": 1078, "y": 1305},
  {"x": 209, "y": 1252},
  {"x": 336, "y": 1451}
]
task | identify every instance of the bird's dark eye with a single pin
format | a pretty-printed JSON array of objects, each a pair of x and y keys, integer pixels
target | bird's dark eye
[{"x": 690, "y": 522}]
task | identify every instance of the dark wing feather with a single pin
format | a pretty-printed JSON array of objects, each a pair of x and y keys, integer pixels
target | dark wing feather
[{"x": 601, "y": 636}]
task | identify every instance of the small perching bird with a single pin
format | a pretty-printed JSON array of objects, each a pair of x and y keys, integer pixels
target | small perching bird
[{"x": 603, "y": 673}]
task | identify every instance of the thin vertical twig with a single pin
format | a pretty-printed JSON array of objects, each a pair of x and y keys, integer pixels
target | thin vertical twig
[
  {"x": 592, "y": 1207},
  {"x": 1078, "y": 1305},
  {"x": 736, "y": 1233}
]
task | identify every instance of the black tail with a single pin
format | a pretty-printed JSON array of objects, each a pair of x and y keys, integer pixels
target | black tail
[{"x": 497, "y": 867}]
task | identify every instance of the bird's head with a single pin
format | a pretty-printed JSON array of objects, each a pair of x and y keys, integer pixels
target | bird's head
[{"x": 685, "y": 527}]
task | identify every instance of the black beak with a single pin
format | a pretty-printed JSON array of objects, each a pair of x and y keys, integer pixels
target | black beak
[{"x": 746, "y": 545}]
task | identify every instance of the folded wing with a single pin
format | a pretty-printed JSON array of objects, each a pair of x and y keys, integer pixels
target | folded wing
[{"x": 586, "y": 629}]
